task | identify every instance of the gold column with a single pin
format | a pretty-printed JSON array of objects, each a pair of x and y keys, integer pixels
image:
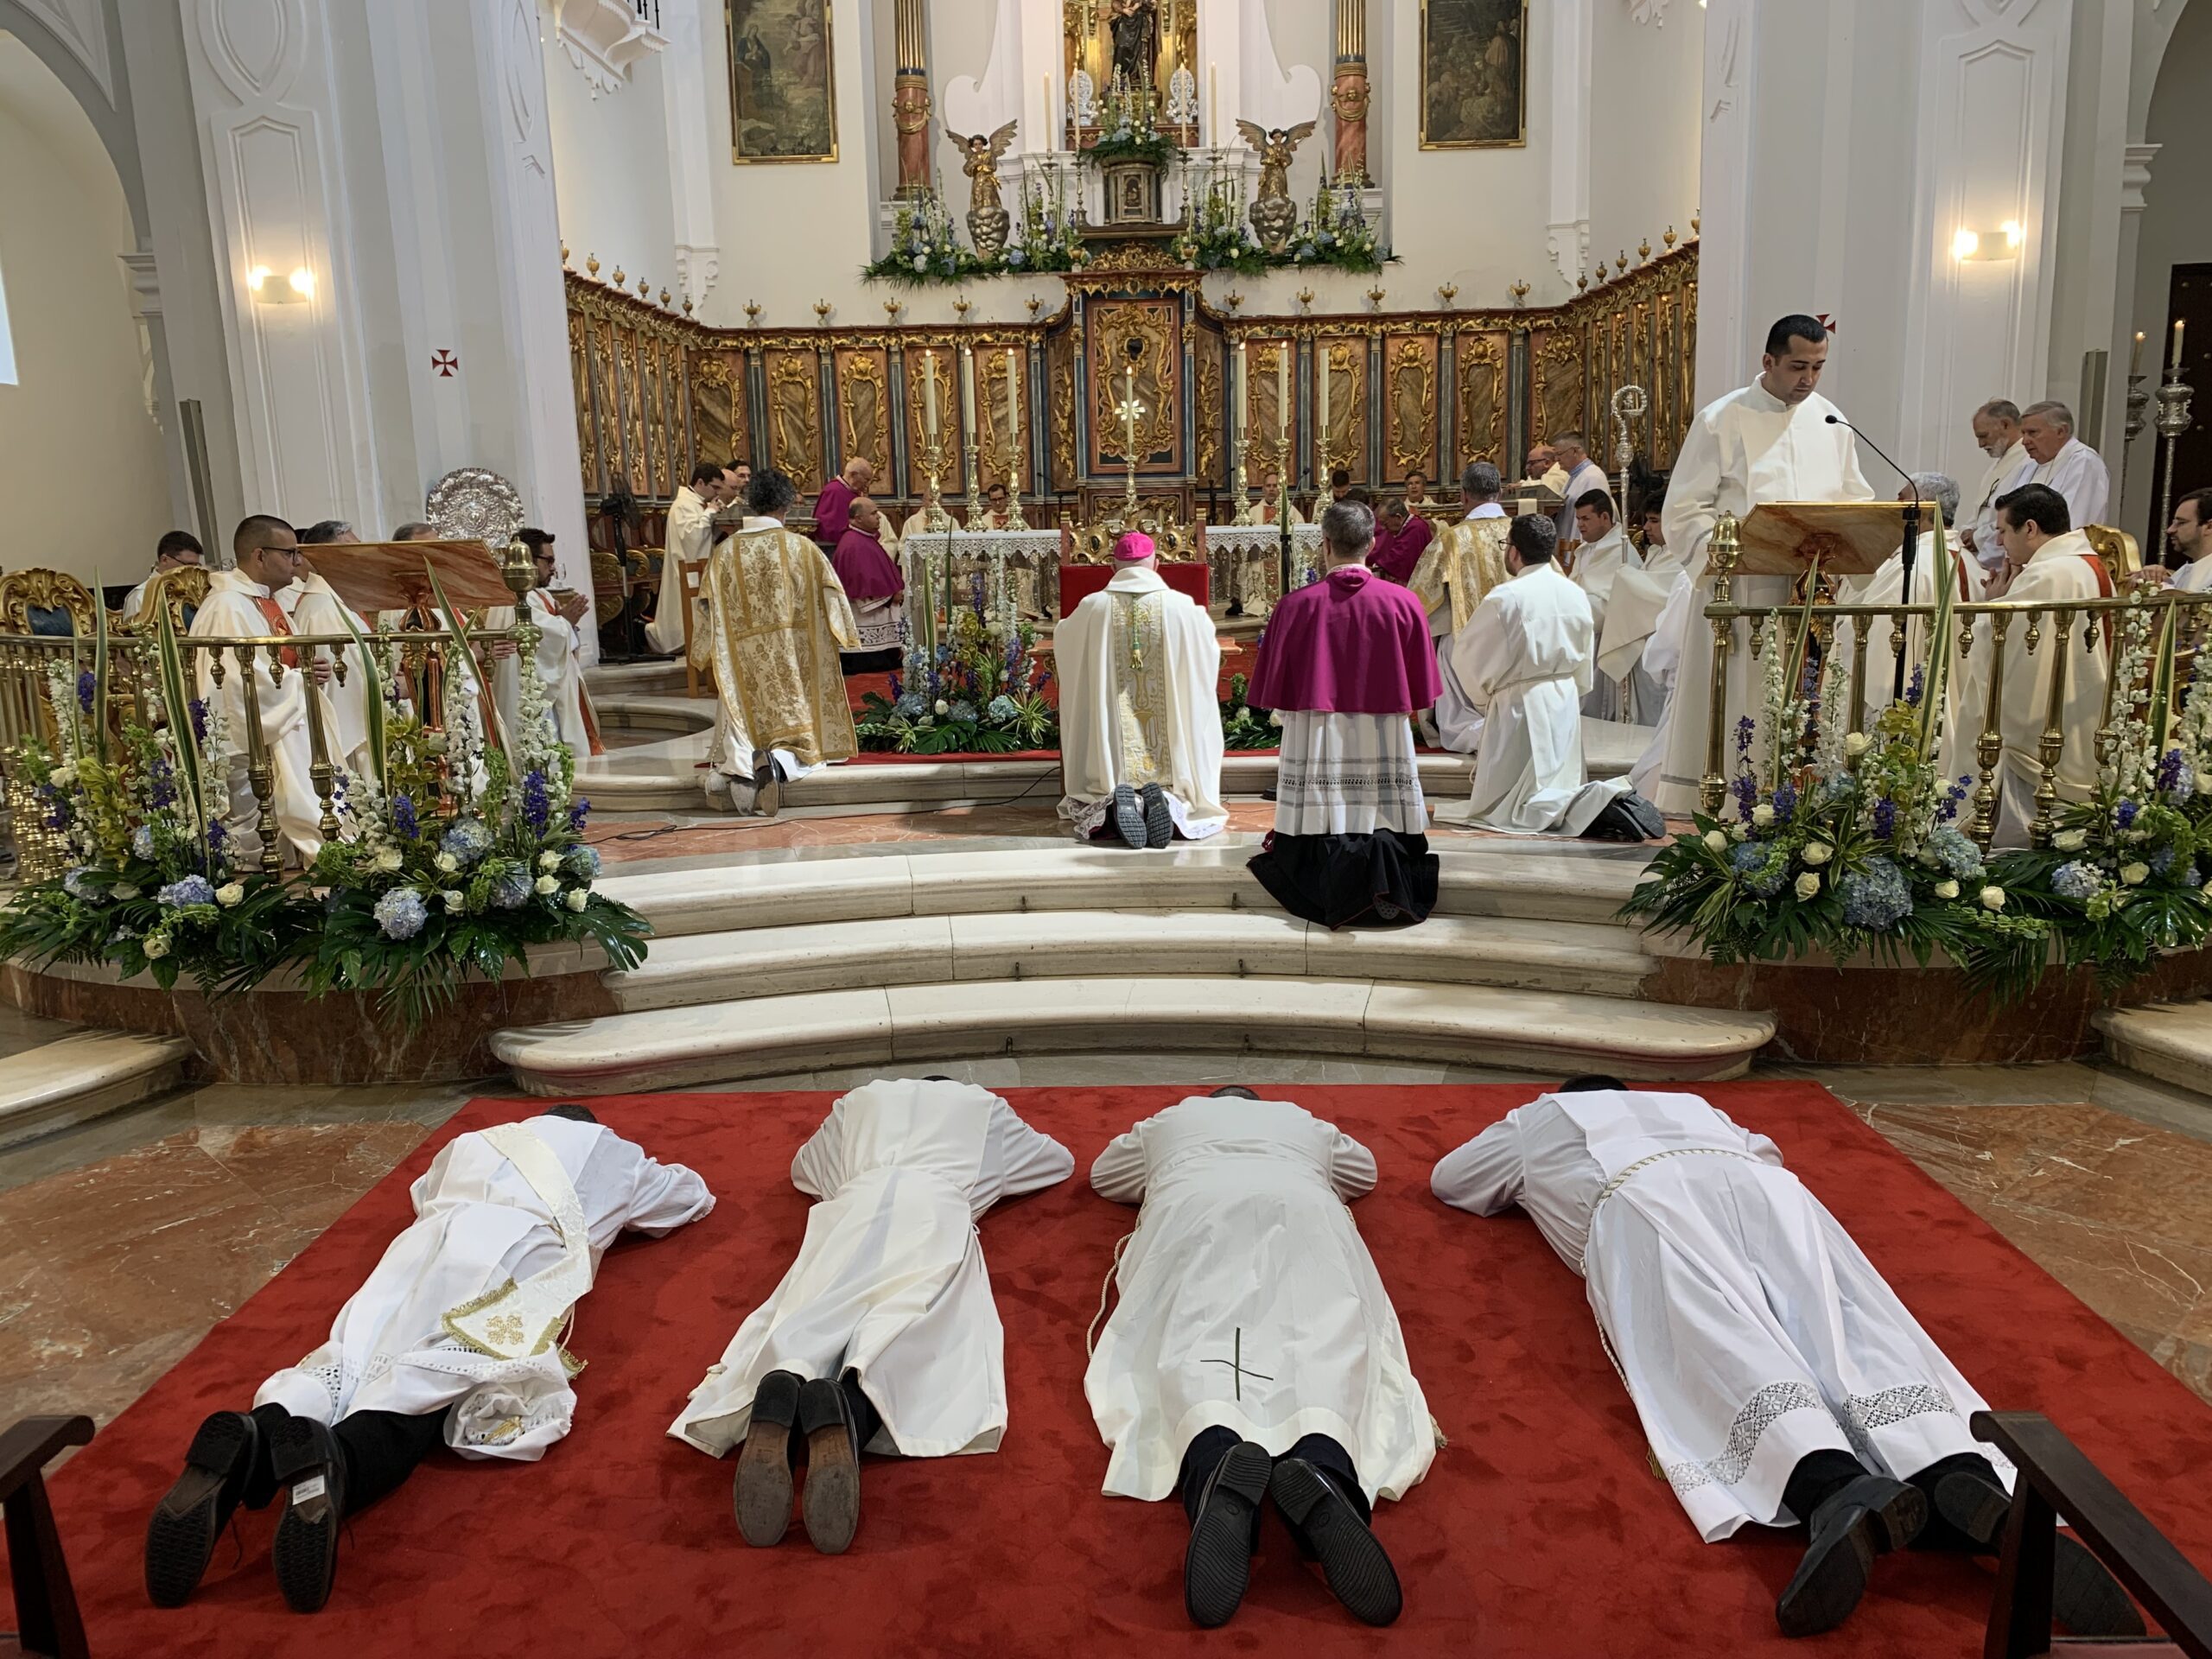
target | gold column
[
  {"x": 1721, "y": 554},
  {"x": 1348, "y": 96},
  {"x": 910, "y": 97}
]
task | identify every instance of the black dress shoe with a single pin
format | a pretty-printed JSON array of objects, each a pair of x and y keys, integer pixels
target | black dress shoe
[
  {"x": 181, "y": 1534},
  {"x": 1871, "y": 1516},
  {"x": 1218, "y": 1563},
  {"x": 1352, "y": 1558},
  {"x": 311, "y": 1470},
  {"x": 762, "y": 1491},
  {"x": 1126, "y": 816},
  {"x": 1232, "y": 1091},
  {"x": 2084, "y": 1596},
  {"x": 1158, "y": 821},
  {"x": 831, "y": 1505},
  {"x": 767, "y": 787}
]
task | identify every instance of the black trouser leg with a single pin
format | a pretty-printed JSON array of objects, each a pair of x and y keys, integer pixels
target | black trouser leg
[
  {"x": 865, "y": 1418},
  {"x": 1818, "y": 1476},
  {"x": 381, "y": 1449},
  {"x": 1940, "y": 1534},
  {"x": 1331, "y": 1458},
  {"x": 1200, "y": 1458}
]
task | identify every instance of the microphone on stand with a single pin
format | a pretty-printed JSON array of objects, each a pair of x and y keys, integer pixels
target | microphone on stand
[{"x": 1911, "y": 549}]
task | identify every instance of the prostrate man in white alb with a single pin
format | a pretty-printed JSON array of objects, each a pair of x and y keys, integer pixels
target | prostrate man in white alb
[
  {"x": 1778, "y": 1376},
  {"x": 691, "y": 536},
  {"x": 1939, "y": 493},
  {"x": 2048, "y": 562},
  {"x": 1603, "y": 555},
  {"x": 2054, "y": 457},
  {"x": 559, "y": 656},
  {"x": 454, "y": 1338},
  {"x": 1140, "y": 743},
  {"x": 1463, "y": 563},
  {"x": 1997, "y": 435},
  {"x": 883, "y": 1335},
  {"x": 2190, "y": 535},
  {"x": 1770, "y": 442},
  {"x": 1254, "y": 1351},
  {"x": 1572, "y": 452},
  {"x": 1526, "y": 661}
]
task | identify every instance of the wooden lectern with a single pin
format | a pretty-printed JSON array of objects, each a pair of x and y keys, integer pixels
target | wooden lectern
[
  {"x": 1849, "y": 539},
  {"x": 373, "y": 576}
]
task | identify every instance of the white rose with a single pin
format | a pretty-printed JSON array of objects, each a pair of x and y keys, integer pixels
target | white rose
[
  {"x": 549, "y": 861},
  {"x": 1808, "y": 885},
  {"x": 2070, "y": 841},
  {"x": 2135, "y": 875},
  {"x": 1717, "y": 840},
  {"x": 456, "y": 902},
  {"x": 942, "y": 707},
  {"x": 63, "y": 775},
  {"x": 387, "y": 860},
  {"x": 446, "y": 863},
  {"x": 1947, "y": 888},
  {"x": 1817, "y": 853},
  {"x": 1762, "y": 815},
  {"x": 1993, "y": 898},
  {"x": 547, "y": 884},
  {"x": 232, "y": 892},
  {"x": 156, "y": 947},
  {"x": 577, "y": 898},
  {"x": 1856, "y": 744},
  {"x": 123, "y": 890},
  {"x": 1739, "y": 832}
]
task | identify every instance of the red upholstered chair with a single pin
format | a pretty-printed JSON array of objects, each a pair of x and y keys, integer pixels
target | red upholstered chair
[
  {"x": 2055, "y": 1477},
  {"x": 47, "y": 1621}
]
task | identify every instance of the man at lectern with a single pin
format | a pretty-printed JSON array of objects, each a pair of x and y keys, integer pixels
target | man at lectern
[{"x": 1770, "y": 442}]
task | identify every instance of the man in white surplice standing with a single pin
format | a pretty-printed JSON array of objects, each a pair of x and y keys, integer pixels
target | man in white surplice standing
[
  {"x": 1777, "y": 1376},
  {"x": 883, "y": 1335},
  {"x": 1140, "y": 743},
  {"x": 1254, "y": 1352}
]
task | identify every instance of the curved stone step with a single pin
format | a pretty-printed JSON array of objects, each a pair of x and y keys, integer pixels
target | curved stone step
[
  {"x": 83, "y": 1076},
  {"x": 752, "y": 963},
  {"x": 1466, "y": 1024},
  {"x": 2170, "y": 1041}
]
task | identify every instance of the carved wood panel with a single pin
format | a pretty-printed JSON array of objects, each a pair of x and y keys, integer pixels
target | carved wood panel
[
  {"x": 1410, "y": 418},
  {"x": 938, "y": 365},
  {"x": 1060, "y": 375},
  {"x": 1480, "y": 374},
  {"x": 579, "y": 385},
  {"x": 1346, "y": 360},
  {"x": 1559, "y": 374},
  {"x": 718, "y": 410},
  {"x": 1157, "y": 327},
  {"x": 795, "y": 415},
  {"x": 864, "y": 380},
  {"x": 1271, "y": 429},
  {"x": 1211, "y": 413}
]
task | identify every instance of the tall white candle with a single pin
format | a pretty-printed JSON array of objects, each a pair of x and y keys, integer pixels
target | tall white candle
[
  {"x": 1213, "y": 105},
  {"x": 1282, "y": 391},
  {"x": 2176, "y": 362},
  {"x": 968, "y": 390},
  {"x": 1016, "y": 449},
  {"x": 1321, "y": 410},
  {"x": 928, "y": 398},
  {"x": 1051, "y": 133},
  {"x": 1239, "y": 402}
]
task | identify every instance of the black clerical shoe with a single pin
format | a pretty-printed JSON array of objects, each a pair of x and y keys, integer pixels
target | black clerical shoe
[
  {"x": 304, "y": 1456},
  {"x": 1158, "y": 821},
  {"x": 1218, "y": 1563},
  {"x": 1352, "y": 1558},
  {"x": 2084, "y": 1596},
  {"x": 830, "y": 1504},
  {"x": 763, "y": 1489},
  {"x": 219, "y": 1467},
  {"x": 1871, "y": 1516},
  {"x": 1126, "y": 816},
  {"x": 767, "y": 787},
  {"x": 1233, "y": 1092}
]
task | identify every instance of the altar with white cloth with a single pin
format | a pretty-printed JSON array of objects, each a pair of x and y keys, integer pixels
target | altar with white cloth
[
  {"x": 1016, "y": 573},
  {"x": 1247, "y": 562}
]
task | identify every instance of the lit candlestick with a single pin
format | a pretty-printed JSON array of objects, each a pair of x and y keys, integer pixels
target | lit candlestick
[
  {"x": 1321, "y": 411},
  {"x": 1240, "y": 404},
  {"x": 968, "y": 390},
  {"x": 1017, "y": 450},
  {"x": 2135, "y": 362},
  {"x": 1129, "y": 413},
  {"x": 1053, "y": 137},
  {"x": 2176, "y": 362},
  {"x": 1283, "y": 393},
  {"x": 928, "y": 398}
]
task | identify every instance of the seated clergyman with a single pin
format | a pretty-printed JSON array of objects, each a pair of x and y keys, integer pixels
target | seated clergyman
[
  {"x": 454, "y": 1339},
  {"x": 883, "y": 1335},
  {"x": 1778, "y": 1377},
  {"x": 1254, "y": 1353}
]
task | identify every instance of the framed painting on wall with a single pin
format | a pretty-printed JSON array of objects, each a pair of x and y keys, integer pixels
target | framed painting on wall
[
  {"x": 783, "y": 99},
  {"x": 1474, "y": 74}
]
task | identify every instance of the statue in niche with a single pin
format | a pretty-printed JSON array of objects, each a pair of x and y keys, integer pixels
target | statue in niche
[
  {"x": 987, "y": 220},
  {"x": 1273, "y": 214},
  {"x": 1135, "y": 26}
]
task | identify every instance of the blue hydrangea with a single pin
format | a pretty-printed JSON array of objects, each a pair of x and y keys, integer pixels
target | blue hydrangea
[
  {"x": 467, "y": 840},
  {"x": 142, "y": 841},
  {"x": 192, "y": 890},
  {"x": 1762, "y": 866},
  {"x": 2075, "y": 881},
  {"x": 1948, "y": 846},
  {"x": 962, "y": 713},
  {"x": 511, "y": 890},
  {"x": 2189, "y": 876},
  {"x": 913, "y": 706},
  {"x": 76, "y": 886},
  {"x": 581, "y": 863},
  {"x": 401, "y": 913},
  {"x": 1002, "y": 709},
  {"x": 2162, "y": 861},
  {"x": 1877, "y": 898}
]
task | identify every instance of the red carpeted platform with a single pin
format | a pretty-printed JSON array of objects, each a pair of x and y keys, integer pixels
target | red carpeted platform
[{"x": 1540, "y": 1531}]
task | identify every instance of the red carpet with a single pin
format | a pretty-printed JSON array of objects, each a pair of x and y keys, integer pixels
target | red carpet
[{"x": 1540, "y": 1530}]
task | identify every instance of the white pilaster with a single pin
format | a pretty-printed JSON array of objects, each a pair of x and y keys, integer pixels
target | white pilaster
[
  {"x": 1571, "y": 27},
  {"x": 691, "y": 149},
  {"x": 1726, "y": 352}
]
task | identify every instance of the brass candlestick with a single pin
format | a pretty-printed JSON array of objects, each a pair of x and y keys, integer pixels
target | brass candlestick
[
  {"x": 936, "y": 521},
  {"x": 2173, "y": 421},
  {"x": 978, "y": 513}
]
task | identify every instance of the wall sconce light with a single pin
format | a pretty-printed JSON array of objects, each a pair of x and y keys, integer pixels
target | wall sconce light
[
  {"x": 299, "y": 286},
  {"x": 2003, "y": 243}
]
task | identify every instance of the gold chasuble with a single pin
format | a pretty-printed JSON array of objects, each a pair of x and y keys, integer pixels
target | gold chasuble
[
  {"x": 1466, "y": 560},
  {"x": 780, "y": 616}
]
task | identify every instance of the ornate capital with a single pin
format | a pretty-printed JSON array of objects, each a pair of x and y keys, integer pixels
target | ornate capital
[{"x": 1352, "y": 96}]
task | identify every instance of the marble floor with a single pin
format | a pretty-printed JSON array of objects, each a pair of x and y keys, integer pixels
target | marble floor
[{"x": 124, "y": 1240}]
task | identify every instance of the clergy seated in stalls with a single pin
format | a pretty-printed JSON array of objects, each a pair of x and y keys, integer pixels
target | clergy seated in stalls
[
  {"x": 1772, "y": 440},
  {"x": 2189, "y": 541},
  {"x": 689, "y": 538},
  {"x": 1346, "y": 662},
  {"x": 996, "y": 515},
  {"x": 1339, "y": 486},
  {"x": 778, "y": 621},
  {"x": 1462, "y": 562},
  {"x": 2054, "y": 457},
  {"x": 243, "y": 603},
  {"x": 1140, "y": 741},
  {"x": 1600, "y": 553},
  {"x": 875, "y": 586},
  {"x": 558, "y": 617},
  {"x": 1778, "y": 1378},
  {"x": 178, "y": 550},
  {"x": 1253, "y": 1353},
  {"x": 1996, "y": 427},
  {"x": 883, "y": 1336},
  {"x": 452, "y": 1339},
  {"x": 314, "y": 607},
  {"x": 1525, "y": 660},
  {"x": 1885, "y": 586},
  {"x": 1403, "y": 537},
  {"x": 414, "y": 530},
  {"x": 2047, "y": 562},
  {"x": 1542, "y": 466},
  {"x": 1571, "y": 452}
]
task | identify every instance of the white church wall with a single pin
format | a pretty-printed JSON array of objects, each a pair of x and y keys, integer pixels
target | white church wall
[
  {"x": 74, "y": 428},
  {"x": 1643, "y": 125},
  {"x": 2085, "y": 281},
  {"x": 611, "y": 167}
]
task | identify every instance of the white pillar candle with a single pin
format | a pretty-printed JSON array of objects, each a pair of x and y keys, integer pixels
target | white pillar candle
[
  {"x": 1240, "y": 403},
  {"x": 1282, "y": 391},
  {"x": 1213, "y": 105},
  {"x": 968, "y": 390},
  {"x": 929, "y": 397},
  {"x": 1016, "y": 449},
  {"x": 1321, "y": 412},
  {"x": 2176, "y": 362}
]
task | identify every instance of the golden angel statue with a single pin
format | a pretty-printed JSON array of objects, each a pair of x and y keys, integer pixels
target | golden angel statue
[
  {"x": 987, "y": 221},
  {"x": 1274, "y": 215}
]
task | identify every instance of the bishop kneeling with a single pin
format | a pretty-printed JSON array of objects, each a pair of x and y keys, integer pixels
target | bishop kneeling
[{"x": 1141, "y": 742}]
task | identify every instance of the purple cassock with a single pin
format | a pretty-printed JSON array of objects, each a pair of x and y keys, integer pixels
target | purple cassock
[
  {"x": 833, "y": 512},
  {"x": 1396, "y": 552},
  {"x": 865, "y": 569},
  {"x": 1350, "y": 644}
]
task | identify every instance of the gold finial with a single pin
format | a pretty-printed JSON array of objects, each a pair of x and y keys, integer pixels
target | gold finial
[
  {"x": 1694, "y": 220},
  {"x": 1375, "y": 296},
  {"x": 1035, "y": 306},
  {"x": 1670, "y": 238},
  {"x": 591, "y": 266},
  {"x": 1520, "y": 292},
  {"x": 1599, "y": 281},
  {"x": 664, "y": 299},
  {"x": 892, "y": 309},
  {"x": 1643, "y": 251},
  {"x": 1582, "y": 284},
  {"x": 1447, "y": 293},
  {"x": 1621, "y": 264},
  {"x": 564, "y": 256},
  {"x": 1232, "y": 300},
  {"x": 1305, "y": 299},
  {"x": 644, "y": 287},
  {"x": 686, "y": 305},
  {"x": 822, "y": 310},
  {"x": 961, "y": 307},
  {"x": 753, "y": 313},
  {"x": 620, "y": 281}
]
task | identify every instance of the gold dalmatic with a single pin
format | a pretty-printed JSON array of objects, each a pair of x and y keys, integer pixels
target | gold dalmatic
[
  {"x": 1466, "y": 560},
  {"x": 778, "y": 618}
]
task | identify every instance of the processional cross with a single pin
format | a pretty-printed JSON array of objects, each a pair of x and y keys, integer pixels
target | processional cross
[{"x": 1237, "y": 1366}]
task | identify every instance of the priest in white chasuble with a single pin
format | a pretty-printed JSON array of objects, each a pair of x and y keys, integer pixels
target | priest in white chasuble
[
  {"x": 883, "y": 1335},
  {"x": 454, "y": 1340},
  {"x": 2048, "y": 562},
  {"x": 243, "y": 604},
  {"x": 1140, "y": 743},
  {"x": 1253, "y": 1353},
  {"x": 779, "y": 619},
  {"x": 1770, "y": 442},
  {"x": 1603, "y": 553},
  {"x": 691, "y": 536},
  {"x": 1778, "y": 1376},
  {"x": 1463, "y": 563},
  {"x": 315, "y": 608},
  {"x": 1885, "y": 586},
  {"x": 559, "y": 622},
  {"x": 1526, "y": 661}
]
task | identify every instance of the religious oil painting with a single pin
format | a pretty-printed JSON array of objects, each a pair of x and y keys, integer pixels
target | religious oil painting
[
  {"x": 783, "y": 104},
  {"x": 1474, "y": 80}
]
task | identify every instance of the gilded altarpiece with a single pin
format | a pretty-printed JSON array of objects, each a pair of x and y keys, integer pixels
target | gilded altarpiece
[
  {"x": 722, "y": 421},
  {"x": 1344, "y": 360},
  {"x": 794, "y": 434},
  {"x": 1156, "y": 326},
  {"x": 939, "y": 364},
  {"x": 863, "y": 381}
]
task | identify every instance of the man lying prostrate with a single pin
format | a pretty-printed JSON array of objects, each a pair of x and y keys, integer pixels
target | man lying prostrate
[
  {"x": 454, "y": 1337},
  {"x": 1778, "y": 1377},
  {"x": 1254, "y": 1353}
]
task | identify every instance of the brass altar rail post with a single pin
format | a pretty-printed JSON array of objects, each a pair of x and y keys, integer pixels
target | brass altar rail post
[
  {"x": 1989, "y": 747},
  {"x": 1722, "y": 551},
  {"x": 259, "y": 775},
  {"x": 2052, "y": 744}
]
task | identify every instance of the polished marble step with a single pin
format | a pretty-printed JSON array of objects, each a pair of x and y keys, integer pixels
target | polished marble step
[
  {"x": 2170, "y": 1041},
  {"x": 83, "y": 1076},
  {"x": 897, "y": 1025},
  {"x": 1585, "y": 959}
]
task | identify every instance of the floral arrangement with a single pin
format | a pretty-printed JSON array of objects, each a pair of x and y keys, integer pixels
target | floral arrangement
[
  {"x": 924, "y": 248},
  {"x": 1336, "y": 232},
  {"x": 1243, "y": 727},
  {"x": 1048, "y": 238},
  {"x": 1216, "y": 233},
  {"x": 979, "y": 691},
  {"x": 1129, "y": 132}
]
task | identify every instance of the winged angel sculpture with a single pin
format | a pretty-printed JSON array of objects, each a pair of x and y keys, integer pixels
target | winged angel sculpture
[
  {"x": 988, "y": 222},
  {"x": 1274, "y": 215}
]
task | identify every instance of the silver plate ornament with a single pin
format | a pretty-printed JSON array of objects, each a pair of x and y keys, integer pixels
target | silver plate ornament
[{"x": 473, "y": 504}]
